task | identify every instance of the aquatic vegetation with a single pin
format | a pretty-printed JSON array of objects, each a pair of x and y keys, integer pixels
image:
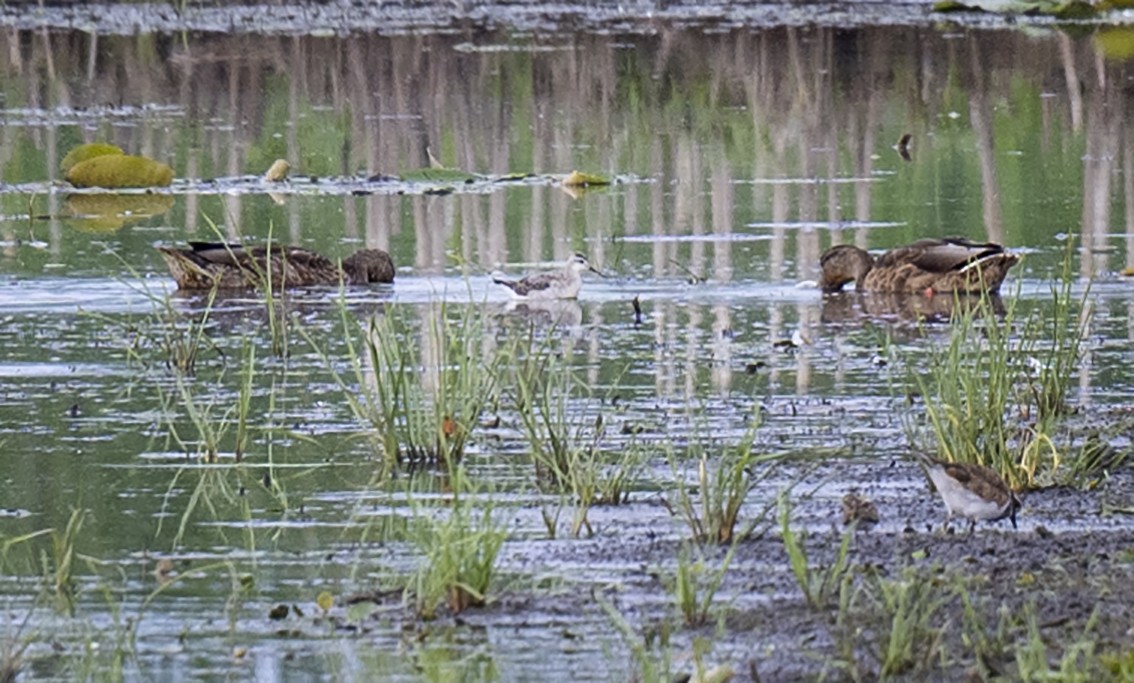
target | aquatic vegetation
[
  {"x": 80, "y": 153},
  {"x": 580, "y": 179},
  {"x": 459, "y": 547},
  {"x": 565, "y": 433},
  {"x": 114, "y": 171},
  {"x": 995, "y": 393},
  {"x": 818, "y": 584},
  {"x": 695, "y": 585},
  {"x": 420, "y": 390},
  {"x": 723, "y": 486}
]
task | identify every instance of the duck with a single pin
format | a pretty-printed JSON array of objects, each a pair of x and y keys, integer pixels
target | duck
[
  {"x": 928, "y": 266},
  {"x": 564, "y": 283},
  {"x": 205, "y": 265}
]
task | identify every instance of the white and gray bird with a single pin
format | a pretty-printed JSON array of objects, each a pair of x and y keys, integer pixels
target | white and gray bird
[
  {"x": 972, "y": 491},
  {"x": 564, "y": 283}
]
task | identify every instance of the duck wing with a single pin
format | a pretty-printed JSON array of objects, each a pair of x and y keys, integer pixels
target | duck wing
[{"x": 940, "y": 255}]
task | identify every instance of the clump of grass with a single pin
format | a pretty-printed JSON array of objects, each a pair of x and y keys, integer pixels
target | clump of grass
[
  {"x": 421, "y": 396},
  {"x": 723, "y": 487},
  {"x": 459, "y": 549},
  {"x": 996, "y": 392},
  {"x": 818, "y": 584},
  {"x": 695, "y": 585},
  {"x": 1071, "y": 661},
  {"x": 651, "y": 666},
  {"x": 210, "y": 428},
  {"x": 566, "y": 441},
  {"x": 909, "y": 640}
]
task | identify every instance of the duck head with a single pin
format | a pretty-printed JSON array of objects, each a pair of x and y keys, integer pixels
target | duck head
[
  {"x": 843, "y": 264},
  {"x": 369, "y": 265}
]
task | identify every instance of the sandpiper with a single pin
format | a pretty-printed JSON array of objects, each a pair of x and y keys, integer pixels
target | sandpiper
[
  {"x": 564, "y": 283},
  {"x": 972, "y": 491},
  {"x": 857, "y": 509}
]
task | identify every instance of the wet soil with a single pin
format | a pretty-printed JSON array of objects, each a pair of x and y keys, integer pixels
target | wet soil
[{"x": 1063, "y": 572}]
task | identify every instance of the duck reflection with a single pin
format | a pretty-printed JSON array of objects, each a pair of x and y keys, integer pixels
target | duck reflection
[{"x": 845, "y": 307}]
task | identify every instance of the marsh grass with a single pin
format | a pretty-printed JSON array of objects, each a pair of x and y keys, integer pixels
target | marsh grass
[
  {"x": 723, "y": 484},
  {"x": 420, "y": 396},
  {"x": 909, "y": 641},
  {"x": 818, "y": 584},
  {"x": 566, "y": 434},
  {"x": 459, "y": 548},
  {"x": 59, "y": 566},
  {"x": 650, "y": 666},
  {"x": 12, "y": 648},
  {"x": 996, "y": 392},
  {"x": 211, "y": 419},
  {"x": 695, "y": 585}
]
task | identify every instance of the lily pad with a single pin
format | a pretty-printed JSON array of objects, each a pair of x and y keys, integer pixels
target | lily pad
[
  {"x": 439, "y": 175},
  {"x": 1116, "y": 43},
  {"x": 90, "y": 150},
  {"x": 120, "y": 170},
  {"x": 946, "y": 6},
  {"x": 579, "y": 179}
]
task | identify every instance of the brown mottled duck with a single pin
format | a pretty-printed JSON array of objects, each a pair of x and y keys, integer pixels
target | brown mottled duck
[
  {"x": 205, "y": 265},
  {"x": 928, "y": 266}
]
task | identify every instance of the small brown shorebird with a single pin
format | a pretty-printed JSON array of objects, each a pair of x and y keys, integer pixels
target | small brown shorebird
[{"x": 972, "y": 491}]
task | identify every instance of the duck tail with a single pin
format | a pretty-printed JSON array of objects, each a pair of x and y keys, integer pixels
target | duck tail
[{"x": 501, "y": 280}]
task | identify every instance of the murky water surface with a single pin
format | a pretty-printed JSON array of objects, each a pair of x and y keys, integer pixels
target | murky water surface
[{"x": 740, "y": 151}]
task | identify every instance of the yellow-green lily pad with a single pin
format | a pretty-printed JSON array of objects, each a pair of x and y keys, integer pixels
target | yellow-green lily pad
[
  {"x": 119, "y": 170},
  {"x": 90, "y": 150},
  {"x": 579, "y": 179}
]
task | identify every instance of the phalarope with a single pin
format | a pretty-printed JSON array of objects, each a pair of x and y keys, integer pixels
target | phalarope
[{"x": 564, "y": 283}]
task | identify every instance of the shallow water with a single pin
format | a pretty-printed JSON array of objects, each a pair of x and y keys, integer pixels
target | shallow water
[{"x": 739, "y": 155}]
